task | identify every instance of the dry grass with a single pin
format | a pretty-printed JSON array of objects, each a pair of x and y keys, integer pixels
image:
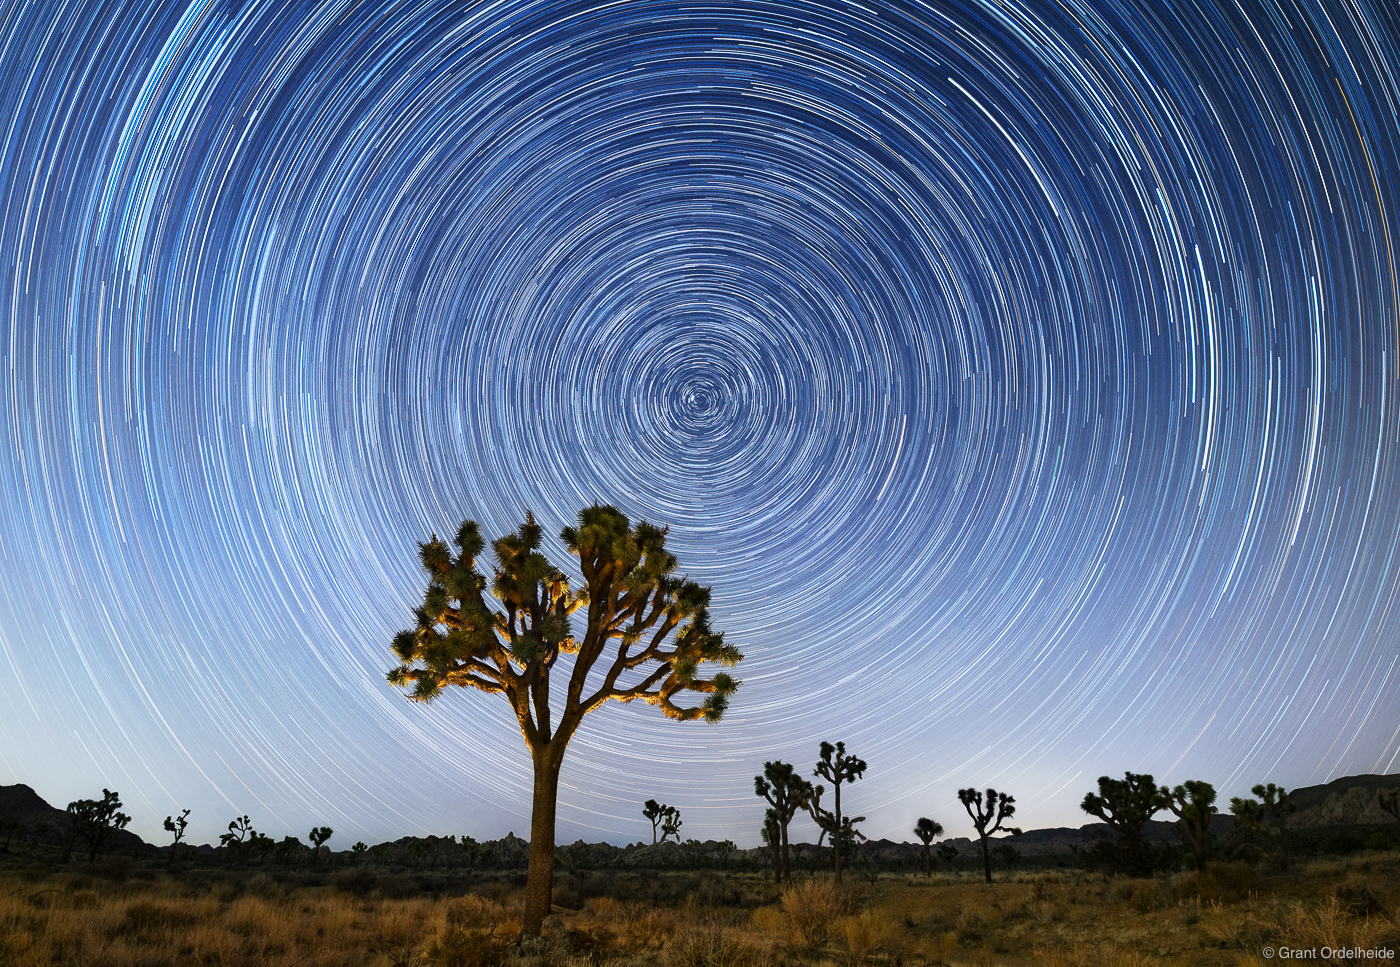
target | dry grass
[{"x": 1224, "y": 916}]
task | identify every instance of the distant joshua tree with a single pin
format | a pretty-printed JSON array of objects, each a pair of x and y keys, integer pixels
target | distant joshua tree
[
  {"x": 1007, "y": 855},
  {"x": 656, "y": 813},
  {"x": 843, "y": 834},
  {"x": 786, "y": 792},
  {"x": 8, "y": 827},
  {"x": 646, "y": 636},
  {"x": 176, "y": 825},
  {"x": 1389, "y": 800},
  {"x": 288, "y": 850},
  {"x": 318, "y": 836},
  {"x": 722, "y": 849},
  {"x": 948, "y": 853},
  {"x": 927, "y": 830},
  {"x": 836, "y": 767},
  {"x": 94, "y": 821},
  {"x": 1277, "y": 807},
  {"x": 663, "y": 817},
  {"x": 988, "y": 815},
  {"x": 672, "y": 825},
  {"x": 1126, "y": 805},
  {"x": 236, "y": 839},
  {"x": 1193, "y": 804}
]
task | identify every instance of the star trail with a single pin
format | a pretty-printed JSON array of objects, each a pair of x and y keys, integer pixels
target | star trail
[{"x": 1024, "y": 378}]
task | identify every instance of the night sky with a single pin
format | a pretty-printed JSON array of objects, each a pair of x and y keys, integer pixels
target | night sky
[{"x": 1024, "y": 378}]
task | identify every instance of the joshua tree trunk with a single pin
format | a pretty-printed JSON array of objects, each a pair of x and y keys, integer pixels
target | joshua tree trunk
[
  {"x": 787, "y": 859},
  {"x": 986, "y": 860},
  {"x": 836, "y": 840},
  {"x": 539, "y": 883}
]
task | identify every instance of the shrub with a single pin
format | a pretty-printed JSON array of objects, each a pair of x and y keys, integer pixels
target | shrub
[
  {"x": 814, "y": 906},
  {"x": 696, "y": 946},
  {"x": 1359, "y": 900},
  {"x": 457, "y": 946},
  {"x": 1217, "y": 883}
]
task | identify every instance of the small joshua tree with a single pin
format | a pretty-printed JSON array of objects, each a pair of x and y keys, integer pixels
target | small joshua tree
[
  {"x": 671, "y": 825},
  {"x": 1256, "y": 822},
  {"x": 663, "y": 817},
  {"x": 94, "y": 821},
  {"x": 988, "y": 815},
  {"x": 1277, "y": 807},
  {"x": 844, "y": 835},
  {"x": 836, "y": 767},
  {"x": 1126, "y": 805},
  {"x": 786, "y": 792},
  {"x": 237, "y": 836},
  {"x": 722, "y": 849},
  {"x": 927, "y": 830},
  {"x": 288, "y": 850},
  {"x": 176, "y": 825},
  {"x": 1193, "y": 804},
  {"x": 646, "y": 636},
  {"x": 948, "y": 853},
  {"x": 318, "y": 836},
  {"x": 8, "y": 828},
  {"x": 656, "y": 812}
]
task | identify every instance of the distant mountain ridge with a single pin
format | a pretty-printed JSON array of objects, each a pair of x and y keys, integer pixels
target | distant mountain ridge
[{"x": 1348, "y": 801}]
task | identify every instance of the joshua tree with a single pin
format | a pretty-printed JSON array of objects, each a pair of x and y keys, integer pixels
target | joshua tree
[
  {"x": 1007, "y": 855},
  {"x": 844, "y": 835},
  {"x": 663, "y": 817},
  {"x": 722, "y": 849},
  {"x": 772, "y": 834},
  {"x": 836, "y": 767},
  {"x": 318, "y": 836},
  {"x": 262, "y": 845},
  {"x": 1193, "y": 804},
  {"x": 176, "y": 825},
  {"x": 1389, "y": 800},
  {"x": 8, "y": 827},
  {"x": 287, "y": 850},
  {"x": 656, "y": 812},
  {"x": 988, "y": 815},
  {"x": 1277, "y": 807},
  {"x": 671, "y": 825},
  {"x": 94, "y": 821},
  {"x": 1126, "y": 805},
  {"x": 948, "y": 853},
  {"x": 653, "y": 626},
  {"x": 786, "y": 792},
  {"x": 236, "y": 837},
  {"x": 927, "y": 831}
]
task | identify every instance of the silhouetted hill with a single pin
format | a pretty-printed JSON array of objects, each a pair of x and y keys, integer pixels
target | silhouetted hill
[
  {"x": 1342, "y": 802},
  {"x": 20, "y": 802}
]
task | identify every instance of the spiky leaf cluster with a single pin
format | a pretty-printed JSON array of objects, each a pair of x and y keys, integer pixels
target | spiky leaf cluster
[{"x": 647, "y": 629}]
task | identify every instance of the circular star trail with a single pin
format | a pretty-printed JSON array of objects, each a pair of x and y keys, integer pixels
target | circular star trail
[{"x": 1022, "y": 377}]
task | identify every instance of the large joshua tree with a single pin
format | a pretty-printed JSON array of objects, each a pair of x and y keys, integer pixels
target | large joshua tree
[
  {"x": 646, "y": 635},
  {"x": 1127, "y": 805},
  {"x": 1193, "y": 805}
]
